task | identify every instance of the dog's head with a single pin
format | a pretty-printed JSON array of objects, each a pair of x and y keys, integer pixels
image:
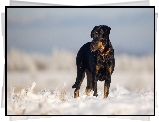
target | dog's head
[{"x": 100, "y": 35}]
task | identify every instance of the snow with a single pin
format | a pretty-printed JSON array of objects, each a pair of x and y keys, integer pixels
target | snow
[
  {"x": 43, "y": 86},
  {"x": 120, "y": 102}
]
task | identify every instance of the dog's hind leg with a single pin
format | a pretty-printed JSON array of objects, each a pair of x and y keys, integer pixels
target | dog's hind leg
[
  {"x": 89, "y": 82},
  {"x": 79, "y": 80},
  {"x": 95, "y": 88},
  {"x": 80, "y": 76}
]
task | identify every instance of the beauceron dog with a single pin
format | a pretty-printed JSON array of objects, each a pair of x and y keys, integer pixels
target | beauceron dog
[{"x": 96, "y": 59}]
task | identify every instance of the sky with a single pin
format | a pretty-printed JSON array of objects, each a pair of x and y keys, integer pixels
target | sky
[{"x": 42, "y": 30}]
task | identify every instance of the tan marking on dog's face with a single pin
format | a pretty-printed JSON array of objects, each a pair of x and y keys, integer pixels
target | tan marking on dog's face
[
  {"x": 97, "y": 45},
  {"x": 100, "y": 47}
]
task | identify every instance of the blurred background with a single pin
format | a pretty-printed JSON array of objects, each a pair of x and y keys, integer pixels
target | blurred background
[{"x": 42, "y": 44}]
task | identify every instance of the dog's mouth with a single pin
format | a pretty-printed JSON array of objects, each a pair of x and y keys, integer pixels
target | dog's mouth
[{"x": 96, "y": 45}]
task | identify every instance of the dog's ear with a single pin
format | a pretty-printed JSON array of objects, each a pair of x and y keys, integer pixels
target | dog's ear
[
  {"x": 95, "y": 28},
  {"x": 106, "y": 30}
]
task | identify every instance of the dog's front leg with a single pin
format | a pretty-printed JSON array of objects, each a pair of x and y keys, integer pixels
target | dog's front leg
[
  {"x": 107, "y": 85},
  {"x": 106, "y": 89},
  {"x": 94, "y": 82}
]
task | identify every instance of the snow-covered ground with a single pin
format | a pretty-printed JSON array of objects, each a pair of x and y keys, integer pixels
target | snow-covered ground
[
  {"x": 57, "y": 102},
  {"x": 50, "y": 79}
]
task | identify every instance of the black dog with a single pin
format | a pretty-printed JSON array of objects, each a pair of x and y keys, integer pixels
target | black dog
[{"x": 96, "y": 58}]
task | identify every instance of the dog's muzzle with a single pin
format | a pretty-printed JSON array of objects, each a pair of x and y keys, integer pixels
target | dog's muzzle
[{"x": 94, "y": 44}]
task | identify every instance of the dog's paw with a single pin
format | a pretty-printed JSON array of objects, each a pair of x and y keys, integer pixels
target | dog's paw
[{"x": 95, "y": 94}]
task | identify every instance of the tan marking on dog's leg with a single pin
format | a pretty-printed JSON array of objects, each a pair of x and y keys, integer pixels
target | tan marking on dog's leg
[
  {"x": 106, "y": 90},
  {"x": 88, "y": 91},
  {"x": 82, "y": 79},
  {"x": 76, "y": 93}
]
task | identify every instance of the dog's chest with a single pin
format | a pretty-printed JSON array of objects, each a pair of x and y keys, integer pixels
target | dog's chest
[
  {"x": 101, "y": 67},
  {"x": 102, "y": 61}
]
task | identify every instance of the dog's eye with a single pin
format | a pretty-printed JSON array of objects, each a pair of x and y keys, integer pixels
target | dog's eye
[{"x": 96, "y": 32}]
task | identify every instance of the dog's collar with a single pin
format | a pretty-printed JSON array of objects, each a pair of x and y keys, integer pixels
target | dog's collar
[{"x": 106, "y": 53}]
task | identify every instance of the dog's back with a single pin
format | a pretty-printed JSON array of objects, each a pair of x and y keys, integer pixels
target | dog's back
[
  {"x": 85, "y": 58},
  {"x": 85, "y": 62}
]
